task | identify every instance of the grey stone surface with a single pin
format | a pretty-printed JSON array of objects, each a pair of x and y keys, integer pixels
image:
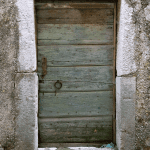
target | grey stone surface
[
  {"x": 26, "y": 100},
  {"x": 147, "y": 12},
  {"x": 125, "y": 63},
  {"x": 8, "y": 45},
  {"x": 125, "y": 112},
  {"x": 27, "y": 48}
]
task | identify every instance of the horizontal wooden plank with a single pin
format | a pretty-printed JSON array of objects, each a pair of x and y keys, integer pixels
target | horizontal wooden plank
[
  {"x": 92, "y": 74},
  {"x": 60, "y": 145},
  {"x": 69, "y": 86},
  {"x": 75, "y": 42},
  {"x": 73, "y": 5},
  {"x": 80, "y": 122},
  {"x": 73, "y": 55},
  {"x": 76, "y": 32},
  {"x": 103, "y": 134},
  {"x": 75, "y": 104},
  {"x": 75, "y": 16},
  {"x": 94, "y": 134},
  {"x": 75, "y": 13},
  {"x": 75, "y": 21}
]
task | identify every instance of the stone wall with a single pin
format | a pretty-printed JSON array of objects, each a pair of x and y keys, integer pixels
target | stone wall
[
  {"x": 19, "y": 82},
  {"x": 133, "y": 60},
  {"x": 9, "y": 45},
  {"x": 18, "y": 78}
]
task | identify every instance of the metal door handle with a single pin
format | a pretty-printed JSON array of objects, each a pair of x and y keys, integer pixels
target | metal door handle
[{"x": 58, "y": 84}]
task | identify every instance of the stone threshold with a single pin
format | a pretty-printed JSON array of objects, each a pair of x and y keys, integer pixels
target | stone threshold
[{"x": 78, "y": 148}]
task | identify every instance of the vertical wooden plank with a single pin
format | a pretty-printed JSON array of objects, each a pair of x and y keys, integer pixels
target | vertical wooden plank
[{"x": 114, "y": 78}]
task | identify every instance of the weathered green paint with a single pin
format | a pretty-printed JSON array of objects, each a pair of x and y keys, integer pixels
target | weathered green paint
[
  {"x": 80, "y": 86},
  {"x": 92, "y": 73},
  {"x": 67, "y": 104},
  {"x": 75, "y": 16},
  {"x": 87, "y": 129},
  {"x": 97, "y": 134},
  {"x": 77, "y": 40},
  {"x": 73, "y": 32},
  {"x": 73, "y": 5},
  {"x": 74, "y": 42},
  {"x": 77, "y": 122},
  {"x": 73, "y": 55}
]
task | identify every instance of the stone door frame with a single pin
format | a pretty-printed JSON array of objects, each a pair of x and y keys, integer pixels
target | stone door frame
[{"x": 26, "y": 80}]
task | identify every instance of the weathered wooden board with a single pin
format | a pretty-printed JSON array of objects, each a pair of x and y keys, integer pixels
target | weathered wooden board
[
  {"x": 77, "y": 122},
  {"x": 73, "y": 55},
  {"x": 73, "y": 5},
  {"x": 73, "y": 32},
  {"x": 63, "y": 133},
  {"x": 76, "y": 135},
  {"x": 75, "y": 104},
  {"x": 70, "y": 86},
  {"x": 75, "y": 16},
  {"x": 92, "y": 73},
  {"x": 74, "y": 42},
  {"x": 77, "y": 40}
]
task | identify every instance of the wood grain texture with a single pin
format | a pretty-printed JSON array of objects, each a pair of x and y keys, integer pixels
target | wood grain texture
[
  {"x": 76, "y": 32},
  {"x": 77, "y": 40},
  {"x": 75, "y": 86},
  {"x": 73, "y": 5},
  {"x": 73, "y": 55},
  {"x": 73, "y": 42},
  {"x": 77, "y": 122},
  {"x": 60, "y": 133},
  {"x": 76, "y": 135},
  {"x": 75, "y": 104},
  {"x": 89, "y": 73},
  {"x": 75, "y": 16}
]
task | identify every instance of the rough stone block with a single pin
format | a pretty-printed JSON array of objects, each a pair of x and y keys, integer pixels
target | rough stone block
[
  {"x": 125, "y": 108},
  {"x": 26, "y": 100},
  {"x": 27, "y": 46},
  {"x": 125, "y": 62}
]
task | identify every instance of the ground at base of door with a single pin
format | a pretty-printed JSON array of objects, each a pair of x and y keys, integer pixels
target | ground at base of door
[{"x": 78, "y": 148}]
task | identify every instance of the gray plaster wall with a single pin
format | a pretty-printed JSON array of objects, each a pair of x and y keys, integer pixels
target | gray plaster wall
[
  {"x": 9, "y": 45},
  {"x": 133, "y": 62}
]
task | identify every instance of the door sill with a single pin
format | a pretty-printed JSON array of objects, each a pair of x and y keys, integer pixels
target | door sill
[
  {"x": 78, "y": 148},
  {"x": 74, "y": 146}
]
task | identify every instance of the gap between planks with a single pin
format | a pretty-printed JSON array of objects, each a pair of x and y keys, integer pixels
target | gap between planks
[
  {"x": 74, "y": 44},
  {"x": 58, "y": 92},
  {"x": 76, "y": 65},
  {"x": 69, "y": 118}
]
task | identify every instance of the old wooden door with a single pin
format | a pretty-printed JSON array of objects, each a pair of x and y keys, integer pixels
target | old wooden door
[{"x": 75, "y": 68}]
